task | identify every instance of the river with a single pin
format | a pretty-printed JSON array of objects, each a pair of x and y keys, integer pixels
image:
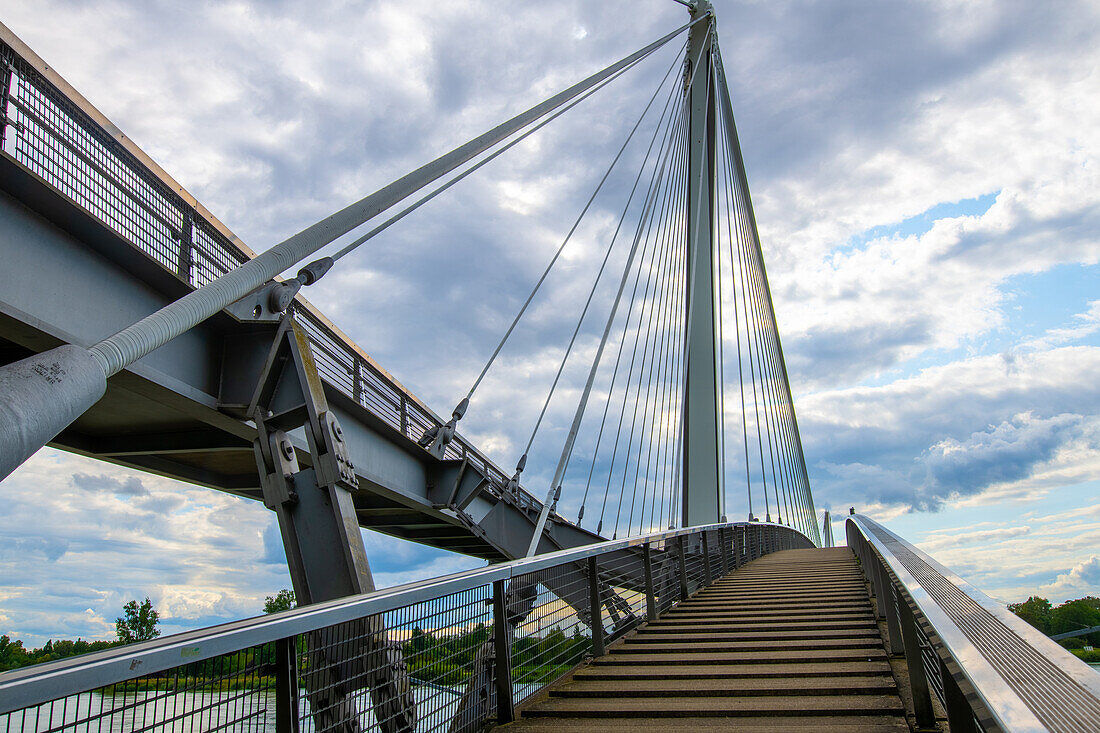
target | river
[{"x": 238, "y": 711}]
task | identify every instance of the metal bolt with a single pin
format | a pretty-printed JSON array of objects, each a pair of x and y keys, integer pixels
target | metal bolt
[
  {"x": 288, "y": 450},
  {"x": 338, "y": 431}
]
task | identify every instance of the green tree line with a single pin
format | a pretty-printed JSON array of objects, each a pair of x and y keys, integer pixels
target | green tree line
[
  {"x": 1067, "y": 617},
  {"x": 441, "y": 657},
  {"x": 138, "y": 622}
]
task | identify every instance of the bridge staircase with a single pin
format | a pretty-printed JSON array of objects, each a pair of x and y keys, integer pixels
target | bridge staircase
[{"x": 789, "y": 642}]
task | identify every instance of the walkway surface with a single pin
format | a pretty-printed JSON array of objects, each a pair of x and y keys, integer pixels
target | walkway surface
[{"x": 786, "y": 643}]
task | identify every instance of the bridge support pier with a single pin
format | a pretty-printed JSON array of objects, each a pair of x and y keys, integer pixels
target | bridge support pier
[{"x": 324, "y": 547}]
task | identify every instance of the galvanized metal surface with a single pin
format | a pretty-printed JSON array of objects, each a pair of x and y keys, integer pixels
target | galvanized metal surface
[{"x": 1025, "y": 680}]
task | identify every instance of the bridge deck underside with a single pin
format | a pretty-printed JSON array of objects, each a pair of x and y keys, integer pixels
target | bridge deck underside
[
  {"x": 786, "y": 643},
  {"x": 178, "y": 412}
]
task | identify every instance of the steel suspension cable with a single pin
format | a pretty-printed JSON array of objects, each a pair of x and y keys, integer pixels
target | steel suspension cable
[
  {"x": 555, "y": 483},
  {"x": 767, "y": 328},
  {"x": 740, "y": 165},
  {"x": 572, "y": 230},
  {"x": 671, "y": 243},
  {"x": 659, "y": 420},
  {"x": 647, "y": 255},
  {"x": 676, "y": 380},
  {"x": 733, "y": 244},
  {"x": 659, "y": 310},
  {"x": 641, "y": 371},
  {"x": 603, "y": 265},
  {"x": 622, "y": 412},
  {"x": 652, "y": 259}
]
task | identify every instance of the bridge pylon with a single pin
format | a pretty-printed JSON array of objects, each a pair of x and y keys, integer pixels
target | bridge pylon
[{"x": 702, "y": 475}]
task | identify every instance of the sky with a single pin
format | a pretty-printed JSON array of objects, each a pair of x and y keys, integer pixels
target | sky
[{"x": 925, "y": 177}]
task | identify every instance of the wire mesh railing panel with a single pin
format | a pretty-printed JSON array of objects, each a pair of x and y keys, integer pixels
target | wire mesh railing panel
[
  {"x": 232, "y": 693},
  {"x": 555, "y": 636},
  {"x": 623, "y": 592},
  {"x": 695, "y": 562},
  {"x": 407, "y": 669}
]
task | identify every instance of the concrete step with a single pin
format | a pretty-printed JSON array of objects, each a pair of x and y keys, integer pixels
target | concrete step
[
  {"x": 653, "y": 656},
  {"x": 773, "y": 724},
  {"x": 862, "y": 612},
  {"x": 765, "y": 586},
  {"x": 627, "y": 671},
  {"x": 734, "y": 593},
  {"x": 662, "y": 626},
  {"x": 722, "y": 707},
  {"x": 630, "y": 646},
  {"x": 646, "y": 636},
  {"x": 710, "y": 687},
  {"x": 788, "y": 606}
]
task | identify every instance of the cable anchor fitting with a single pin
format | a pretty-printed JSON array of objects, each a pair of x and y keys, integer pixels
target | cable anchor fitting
[
  {"x": 282, "y": 294},
  {"x": 512, "y": 487},
  {"x": 435, "y": 439}
]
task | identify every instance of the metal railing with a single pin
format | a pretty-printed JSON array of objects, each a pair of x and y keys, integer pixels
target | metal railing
[
  {"x": 990, "y": 670},
  {"x": 56, "y": 135},
  {"x": 451, "y": 653}
]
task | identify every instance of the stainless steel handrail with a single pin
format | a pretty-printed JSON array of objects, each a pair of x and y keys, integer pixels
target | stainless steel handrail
[
  {"x": 1012, "y": 676},
  {"x": 35, "y": 685}
]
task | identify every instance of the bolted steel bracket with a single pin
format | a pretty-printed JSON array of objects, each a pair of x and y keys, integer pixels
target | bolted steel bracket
[{"x": 278, "y": 462}]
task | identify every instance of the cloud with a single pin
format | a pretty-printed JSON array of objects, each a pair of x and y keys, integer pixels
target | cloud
[
  {"x": 1081, "y": 578},
  {"x": 1006, "y": 452},
  {"x": 128, "y": 486}
]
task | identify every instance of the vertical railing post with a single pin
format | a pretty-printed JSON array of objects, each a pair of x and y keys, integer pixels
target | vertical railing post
[
  {"x": 5, "y": 92},
  {"x": 960, "y": 716},
  {"x": 595, "y": 608},
  {"x": 724, "y": 546},
  {"x": 682, "y": 562},
  {"x": 914, "y": 662},
  {"x": 706, "y": 559},
  {"x": 357, "y": 385},
  {"x": 502, "y": 655},
  {"x": 650, "y": 597},
  {"x": 286, "y": 685},
  {"x": 404, "y": 416},
  {"x": 882, "y": 586},
  {"x": 889, "y": 608},
  {"x": 187, "y": 237}
]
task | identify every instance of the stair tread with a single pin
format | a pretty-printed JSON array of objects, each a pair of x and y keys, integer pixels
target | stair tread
[
  {"x": 694, "y": 687},
  {"x": 771, "y": 724},
  {"x": 626, "y": 670},
  {"x": 735, "y": 657},
  {"x": 721, "y": 706},
  {"x": 715, "y": 645}
]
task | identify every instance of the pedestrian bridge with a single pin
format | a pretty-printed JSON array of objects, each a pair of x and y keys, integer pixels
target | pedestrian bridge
[{"x": 136, "y": 329}]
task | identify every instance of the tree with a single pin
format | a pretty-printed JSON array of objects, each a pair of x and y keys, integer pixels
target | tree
[
  {"x": 284, "y": 600},
  {"x": 1035, "y": 610},
  {"x": 1074, "y": 616},
  {"x": 139, "y": 623}
]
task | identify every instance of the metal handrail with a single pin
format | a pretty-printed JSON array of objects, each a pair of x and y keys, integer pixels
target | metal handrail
[
  {"x": 35, "y": 685},
  {"x": 995, "y": 670}
]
